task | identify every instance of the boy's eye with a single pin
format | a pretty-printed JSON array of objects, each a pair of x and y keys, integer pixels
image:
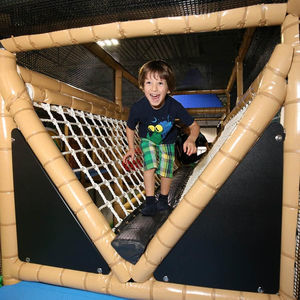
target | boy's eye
[
  {"x": 158, "y": 128},
  {"x": 151, "y": 128}
]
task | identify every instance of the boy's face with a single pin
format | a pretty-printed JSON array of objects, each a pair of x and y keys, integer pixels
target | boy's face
[{"x": 155, "y": 89}]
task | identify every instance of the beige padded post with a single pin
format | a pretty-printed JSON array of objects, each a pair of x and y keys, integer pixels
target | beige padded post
[
  {"x": 38, "y": 94},
  {"x": 269, "y": 99},
  {"x": 293, "y": 7},
  {"x": 8, "y": 233},
  {"x": 20, "y": 107},
  {"x": 291, "y": 170},
  {"x": 50, "y": 90}
]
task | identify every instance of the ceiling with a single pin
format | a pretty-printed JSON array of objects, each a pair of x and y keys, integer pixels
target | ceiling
[{"x": 201, "y": 61}]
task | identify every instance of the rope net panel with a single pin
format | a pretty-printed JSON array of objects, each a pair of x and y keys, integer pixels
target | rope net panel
[
  {"x": 94, "y": 145},
  {"x": 225, "y": 134}
]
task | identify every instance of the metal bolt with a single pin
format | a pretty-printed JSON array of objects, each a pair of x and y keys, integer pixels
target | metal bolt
[
  {"x": 12, "y": 140},
  {"x": 165, "y": 278},
  {"x": 260, "y": 289},
  {"x": 27, "y": 259},
  {"x": 278, "y": 138},
  {"x": 99, "y": 270}
]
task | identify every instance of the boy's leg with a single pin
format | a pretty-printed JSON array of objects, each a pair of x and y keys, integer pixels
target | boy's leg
[
  {"x": 150, "y": 204},
  {"x": 165, "y": 185},
  {"x": 149, "y": 182},
  {"x": 164, "y": 191},
  {"x": 150, "y": 165},
  {"x": 166, "y": 164}
]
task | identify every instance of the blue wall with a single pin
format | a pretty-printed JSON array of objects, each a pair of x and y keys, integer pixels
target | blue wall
[{"x": 199, "y": 100}]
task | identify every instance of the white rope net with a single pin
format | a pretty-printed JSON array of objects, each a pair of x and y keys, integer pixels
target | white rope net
[
  {"x": 226, "y": 133},
  {"x": 93, "y": 146}
]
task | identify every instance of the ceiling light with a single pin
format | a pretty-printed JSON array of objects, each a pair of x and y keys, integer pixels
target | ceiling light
[
  {"x": 115, "y": 42},
  {"x": 111, "y": 42},
  {"x": 108, "y": 42},
  {"x": 100, "y": 43}
]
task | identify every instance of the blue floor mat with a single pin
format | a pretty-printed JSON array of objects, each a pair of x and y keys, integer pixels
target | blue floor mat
[{"x": 25, "y": 290}]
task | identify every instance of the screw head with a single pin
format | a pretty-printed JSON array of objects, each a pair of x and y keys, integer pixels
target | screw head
[
  {"x": 27, "y": 259},
  {"x": 260, "y": 289},
  {"x": 99, "y": 270},
  {"x": 278, "y": 138},
  {"x": 165, "y": 278}
]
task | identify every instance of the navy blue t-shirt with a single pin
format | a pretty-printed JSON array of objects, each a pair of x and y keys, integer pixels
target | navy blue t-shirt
[{"x": 157, "y": 125}]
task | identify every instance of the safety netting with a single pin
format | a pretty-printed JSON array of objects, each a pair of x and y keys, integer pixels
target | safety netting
[
  {"x": 94, "y": 145},
  {"x": 20, "y": 17}
]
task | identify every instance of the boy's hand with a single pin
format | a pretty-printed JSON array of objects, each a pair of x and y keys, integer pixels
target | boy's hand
[
  {"x": 130, "y": 154},
  {"x": 189, "y": 147}
]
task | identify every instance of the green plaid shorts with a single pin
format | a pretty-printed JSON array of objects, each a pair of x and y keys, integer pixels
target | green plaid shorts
[{"x": 160, "y": 157}]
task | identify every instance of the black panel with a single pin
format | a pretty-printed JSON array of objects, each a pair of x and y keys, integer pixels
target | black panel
[
  {"x": 235, "y": 242},
  {"x": 48, "y": 231}
]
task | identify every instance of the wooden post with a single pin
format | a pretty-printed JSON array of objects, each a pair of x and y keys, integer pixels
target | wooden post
[
  {"x": 227, "y": 103},
  {"x": 8, "y": 231},
  {"x": 242, "y": 53},
  {"x": 239, "y": 80},
  {"x": 118, "y": 88}
]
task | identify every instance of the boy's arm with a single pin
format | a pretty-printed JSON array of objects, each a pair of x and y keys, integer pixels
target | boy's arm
[
  {"x": 130, "y": 140},
  {"x": 189, "y": 146}
]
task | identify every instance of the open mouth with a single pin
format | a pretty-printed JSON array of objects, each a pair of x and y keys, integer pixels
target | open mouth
[{"x": 155, "y": 97}]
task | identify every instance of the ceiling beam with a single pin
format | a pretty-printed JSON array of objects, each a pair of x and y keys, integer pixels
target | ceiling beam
[
  {"x": 110, "y": 61},
  {"x": 193, "y": 92},
  {"x": 206, "y": 110}
]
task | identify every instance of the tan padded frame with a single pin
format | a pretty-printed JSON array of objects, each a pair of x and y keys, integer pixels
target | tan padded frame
[{"x": 17, "y": 110}]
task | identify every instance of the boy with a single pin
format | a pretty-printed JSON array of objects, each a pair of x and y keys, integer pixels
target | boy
[{"x": 156, "y": 113}]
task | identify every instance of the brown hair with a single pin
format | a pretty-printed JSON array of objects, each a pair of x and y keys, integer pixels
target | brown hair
[{"x": 159, "y": 67}]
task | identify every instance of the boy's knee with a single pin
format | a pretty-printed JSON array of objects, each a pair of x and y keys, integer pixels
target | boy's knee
[{"x": 151, "y": 170}]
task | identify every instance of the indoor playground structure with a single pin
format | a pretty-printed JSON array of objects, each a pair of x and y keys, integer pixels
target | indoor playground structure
[{"x": 70, "y": 210}]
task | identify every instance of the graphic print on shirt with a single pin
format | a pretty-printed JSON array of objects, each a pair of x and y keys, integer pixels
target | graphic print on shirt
[{"x": 157, "y": 130}]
